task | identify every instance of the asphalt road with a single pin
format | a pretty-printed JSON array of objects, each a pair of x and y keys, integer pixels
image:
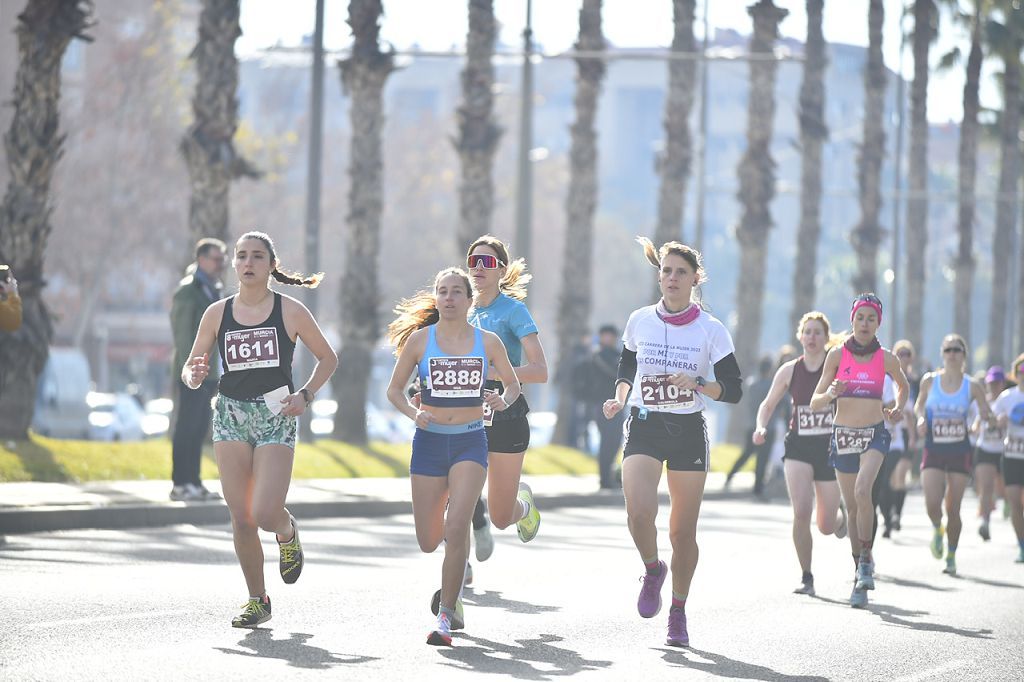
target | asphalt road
[{"x": 157, "y": 604}]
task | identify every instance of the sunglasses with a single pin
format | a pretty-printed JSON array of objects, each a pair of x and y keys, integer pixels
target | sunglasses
[
  {"x": 953, "y": 349},
  {"x": 485, "y": 261}
]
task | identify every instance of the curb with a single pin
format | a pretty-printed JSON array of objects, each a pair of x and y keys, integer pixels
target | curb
[{"x": 117, "y": 517}]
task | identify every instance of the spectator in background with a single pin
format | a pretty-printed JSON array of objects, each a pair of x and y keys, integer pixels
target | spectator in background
[
  {"x": 200, "y": 287},
  {"x": 602, "y": 370},
  {"x": 753, "y": 395},
  {"x": 579, "y": 394},
  {"x": 10, "y": 302}
]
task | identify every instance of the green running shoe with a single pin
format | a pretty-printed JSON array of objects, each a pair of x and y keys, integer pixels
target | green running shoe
[
  {"x": 528, "y": 526},
  {"x": 950, "y": 568},
  {"x": 291, "y": 555},
  {"x": 937, "y": 545},
  {"x": 458, "y": 620},
  {"x": 254, "y": 612}
]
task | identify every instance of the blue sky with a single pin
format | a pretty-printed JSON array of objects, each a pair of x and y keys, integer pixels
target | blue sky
[{"x": 441, "y": 24}]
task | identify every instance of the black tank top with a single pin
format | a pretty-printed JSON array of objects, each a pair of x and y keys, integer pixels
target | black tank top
[
  {"x": 254, "y": 359},
  {"x": 802, "y": 421}
]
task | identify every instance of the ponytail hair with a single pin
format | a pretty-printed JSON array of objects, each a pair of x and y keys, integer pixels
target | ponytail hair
[
  {"x": 514, "y": 282},
  {"x": 687, "y": 253},
  {"x": 420, "y": 310},
  {"x": 282, "y": 276}
]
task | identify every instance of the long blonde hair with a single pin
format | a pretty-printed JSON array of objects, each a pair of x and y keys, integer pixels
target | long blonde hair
[
  {"x": 420, "y": 310},
  {"x": 513, "y": 284},
  {"x": 831, "y": 340}
]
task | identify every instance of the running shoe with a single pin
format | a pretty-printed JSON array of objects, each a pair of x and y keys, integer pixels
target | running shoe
[
  {"x": 887, "y": 533},
  {"x": 528, "y": 526},
  {"x": 467, "y": 578},
  {"x": 865, "y": 575},
  {"x": 806, "y": 587},
  {"x": 291, "y": 555},
  {"x": 950, "y": 568},
  {"x": 484, "y": 542},
  {"x": 458, "y": 618},
  {"x": 254, "y": 612},
  {"x": 649, "y": 603},
  {"x": 844, "y": 523},
  {"x": 937, "y": 546},
  {"x": 858, "y": 598},
  {"x": 181, "y": 493},
  {"x": 983, "y": 531},
  {"x": 677, "y": 635},
  {"x": 896, "y": 522},
  {"x": 441, "y": 635},
  {"x": 1020, "y": 557}
]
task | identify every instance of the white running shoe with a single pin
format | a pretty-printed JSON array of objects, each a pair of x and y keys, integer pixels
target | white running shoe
[{"x": 484, "y": 541}]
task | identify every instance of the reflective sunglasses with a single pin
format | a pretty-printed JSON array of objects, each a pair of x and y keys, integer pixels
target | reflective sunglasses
[
  {"x": 484, "y": 260},
  {"x": 953, "y": 349}
]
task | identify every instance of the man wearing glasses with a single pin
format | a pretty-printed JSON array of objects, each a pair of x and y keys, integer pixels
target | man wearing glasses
[{"x": 200, "y": 287}]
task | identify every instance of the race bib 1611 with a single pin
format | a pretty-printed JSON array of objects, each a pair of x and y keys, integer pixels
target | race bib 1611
[{"x": 251, "y": 348}]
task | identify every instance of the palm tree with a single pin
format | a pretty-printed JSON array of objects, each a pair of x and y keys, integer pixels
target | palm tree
[
  {"x": 925, "y": 28},
  {"x": 1006, "y": 39},
  {"x": 478, "y": 133},
  {"x": 574, "y": 303},
  {"x": 868, "y": 233},
  {"x": 32, "y": 147},
  {"x": 813, "y": 135},
  {"x": 363, "y": 75},
  {"x": 968, "y": 165},
  {"x": 673, "y": 164},
  {"x": 757, "y": 183},
  {"x": 207, "y": 147}
]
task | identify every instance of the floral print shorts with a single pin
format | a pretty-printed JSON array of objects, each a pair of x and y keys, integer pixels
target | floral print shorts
[{"x": 252, "y": 422}]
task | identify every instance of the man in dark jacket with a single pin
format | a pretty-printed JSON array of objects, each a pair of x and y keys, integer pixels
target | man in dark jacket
[
  {"x": 200, "y": 287},
  {"x": 604, "y": 367}
]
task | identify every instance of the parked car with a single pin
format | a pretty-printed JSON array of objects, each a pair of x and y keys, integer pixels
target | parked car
[
  {"x": 61, "y": 410},
  {"x": 115, "y": 417}
]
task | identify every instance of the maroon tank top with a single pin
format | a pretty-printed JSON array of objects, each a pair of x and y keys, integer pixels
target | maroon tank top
[{"x": 804, "y": 421}]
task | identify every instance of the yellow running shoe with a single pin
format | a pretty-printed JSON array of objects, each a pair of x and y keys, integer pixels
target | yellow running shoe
[
  {"x": 291, "y": 555},
  {"x": 528, "y": 526},
  {"x": 937, "y": 545}
]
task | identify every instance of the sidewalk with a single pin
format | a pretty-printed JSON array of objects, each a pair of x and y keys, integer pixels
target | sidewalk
[{"x": 38, "y": 507}]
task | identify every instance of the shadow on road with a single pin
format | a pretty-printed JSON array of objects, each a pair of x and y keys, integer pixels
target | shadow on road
[
  {"x": 493, "y": 600},
  {"x": 894, "y": 615},
  {"x": 261, "y": 644},
  {"x": 903, "y": 582},
  {"x": 986, "y": 581},
  {"x": 519, "y": 661},
  {"x": 722, "y": 666}
]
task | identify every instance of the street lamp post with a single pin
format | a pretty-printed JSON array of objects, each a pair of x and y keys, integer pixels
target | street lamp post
[{"x": 524, "y": 194}]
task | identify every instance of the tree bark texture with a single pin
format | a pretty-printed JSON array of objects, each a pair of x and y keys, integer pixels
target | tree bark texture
[
  {"x": 33, "y": 145},
  {"x": 867, "y": 234},
  {"x": 757, "y": 189},
  {"x": 673, "y": 163},
  {"x": 208, "y": 145},
  {"x": 917, "y": 201},
  {"x": 1006, "y": 207},
  {"x": 478, "y": 131},
  {"x": 968, "y": 155},
  {"x": 574, "y": 303},
  {"x": 813, "y": 134},
  {"x": 363, "y": 75}
]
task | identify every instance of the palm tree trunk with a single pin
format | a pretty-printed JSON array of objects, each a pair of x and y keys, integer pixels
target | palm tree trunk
[
  {"x": 574, "y": 303},
  {"x": 868, "y": 233},
  {"x": 363, "y": 75},
  {"x": 813, "y": 134},
  {"x": 32, "y": 147},
  {"x": 968, "y": 156},
  {"x": 757, "y": 189},
  {"x": 207, "y": 146},
  {"x": 917, "y": 201},
  {"x": 1006, "y": 206},
  {"x": 478, "y": 133},
  {"x": 673, "y": 163}
]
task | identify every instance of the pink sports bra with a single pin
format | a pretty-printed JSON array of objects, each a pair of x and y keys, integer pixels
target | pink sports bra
[{"x": 863, "y": 380}]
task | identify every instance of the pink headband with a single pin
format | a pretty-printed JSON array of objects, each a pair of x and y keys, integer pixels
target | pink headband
[{"x": 860, "y": 303}]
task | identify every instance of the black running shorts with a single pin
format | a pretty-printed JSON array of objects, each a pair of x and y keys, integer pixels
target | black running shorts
[{"x": 680, "y": 440}]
